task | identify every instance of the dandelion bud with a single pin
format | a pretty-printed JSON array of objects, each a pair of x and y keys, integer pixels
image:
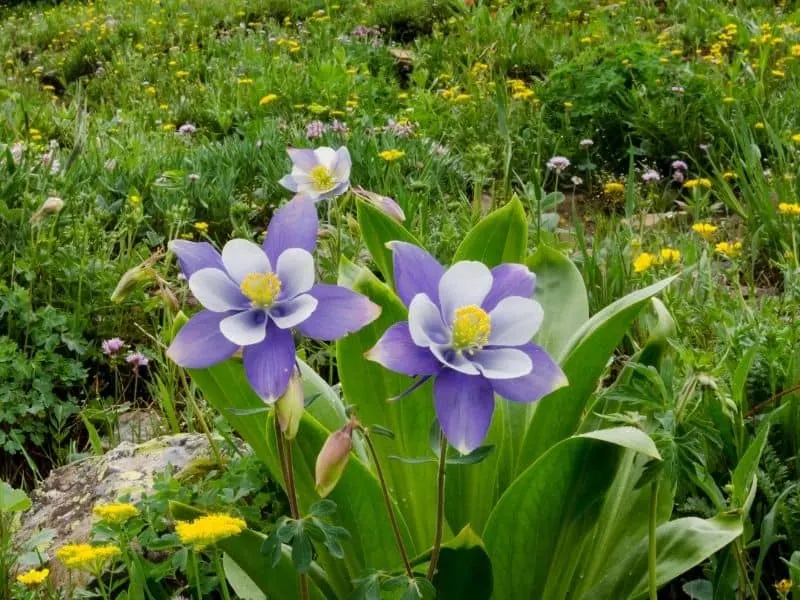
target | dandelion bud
[
  {"x": 332, "y": 459},
  {"x": 289, "y": 407},
  {"x": 131, "y": 280},
  {"x": 51, "y": 206}
]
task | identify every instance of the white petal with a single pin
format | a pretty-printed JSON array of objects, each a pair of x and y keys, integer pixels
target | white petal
[
  {"x": 455, "y": 360},
  {"x": 343, "y": 164},
  {"x": 295, "y": 269},
  {"x": 245, "y": 328},
  {"x": 326, "y": 157},
  {"x": 425, "y": 322},
  {"x": 502, "y": 363},
  {"x": 242, "y": 257},
  {"x": 515, "y": 320},
  {"x": 293, "y": 312},
  {"x": 465, "y": 283},
  {"x": 215, "y": 290}
]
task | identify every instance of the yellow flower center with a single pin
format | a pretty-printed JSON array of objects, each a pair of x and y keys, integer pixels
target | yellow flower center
[
  {"x": 261, "y": 288},
  {"x": 321, "y": 178},
  {"x": 471, "y": 327}
]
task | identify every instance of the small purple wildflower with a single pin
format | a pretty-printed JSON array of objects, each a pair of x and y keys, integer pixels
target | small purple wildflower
[
  {"x": 651, "y": 176},
  {"x": 558, "y": 163},
  {"x": 17, "y": 151},
  {"x": 315, "y": 130},
  {"x": 187, "y": 129},
  {"x": 679, "y": 165},
  {"x": 338, "y": 126},
  {"x": 402, "y": 128},
  {"x": 113, "y": 346},
  {"x": 137, "y": 360},
  {"x": 193, "y": 177},
  {"x": 363, "y": 32},
  {"x": 678, "y": 176}
]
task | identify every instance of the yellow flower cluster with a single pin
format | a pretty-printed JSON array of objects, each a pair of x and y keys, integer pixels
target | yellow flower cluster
[
  {"x": 705, "y": 230},
  {"x": 519, "y": 90},
  {"x": 208, "y": 529},
  {"x": 292, "y": 45},
  {"x": 643, "y": 262},
  {"x": 115, "y": 512},
  {"x": 790, "y": 209},
  {"x": 731, "y": 250},
  {"x": 201, "y": 227},
  {"x": 392, "y": 155},
  {"x": 269, "y": 98},
  {"x": 33, "y": 577},
  {"x": 455, "y": 95},
  {"x": 696, "y": 183},
  {"x": 646, "y": 260},
  {"x": 670, "y": 255},
  {"x": 718, "y": 50},
  {"x": 85, "y": 556},
  {"x": 614, "y": 188}
]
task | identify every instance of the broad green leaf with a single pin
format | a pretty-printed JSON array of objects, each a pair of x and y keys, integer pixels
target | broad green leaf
[
  {"x": 369, "y": 386},
  {"x": 243, "y": 586},
  {"x": 377, "y": 229},
  {"x": 658, "y": 339},
  {"x": 626, "y": 437},
  {"x": 562, "y": 294},
  {"x": 536, "y": 533},
  {"x": 464, "y": 569},
  {"x": 746, "y": 468},
  {"x": 769, "y": 535},
  {"x": 500, "y": 237},
  {"x": 558, "y": 415},
  {"x": 12, "y": 500},
  {"x": 681, "y": 545},
  {"x": 245, "y": 550}
]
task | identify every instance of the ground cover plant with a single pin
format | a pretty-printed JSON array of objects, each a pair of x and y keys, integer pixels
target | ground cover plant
[{"x": 517, "y": 314}]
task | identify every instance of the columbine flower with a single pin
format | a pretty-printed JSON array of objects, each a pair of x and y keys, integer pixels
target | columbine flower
[
  {"x": 558, "y": 163},
  {"x": 137, "y": 360},
  {"x": 254, "y": 297},
  {"x": 651, "y": 176},
  {"x": 115, "y": 512},
  {"x": 470, "y": 329},
  {"x": 792, "y": 210},
  {"x": 643, "y": 262},
  {"x": 85, "y": 556},
  {"x": 731, "y": 250},
  {"x": 332, "y": 459},
  {"x": 113, "y": 346},
  {"x": 705, "y": 230},
  {"x": 382, "y": 203},
  {"x": 208, "y": 529},
  {"x": 33, "y": 577},
  {"x": 319, "y": 174}
]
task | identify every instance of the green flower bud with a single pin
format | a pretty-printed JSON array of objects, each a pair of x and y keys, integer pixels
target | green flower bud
[
  {"x": 289, "y": 407},
  {"x": 51, "y": 206},
  {"x": 332, "y": 459},
  {"x": 130, "y": 280}
]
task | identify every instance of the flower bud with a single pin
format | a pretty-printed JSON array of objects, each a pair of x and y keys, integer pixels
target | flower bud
[
  {"x": 51, "y": 206},
  {"x": 289, "y": 407},
  {"x": 383, "y": 203},
  {"x": 332, "y": 459},
  {"x": 130, "y": 280}
]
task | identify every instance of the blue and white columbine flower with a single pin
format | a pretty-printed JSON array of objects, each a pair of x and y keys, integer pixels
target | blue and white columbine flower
[
  {"x": 254, "y": 296},
  {"x": 318, "y": 174},
  {"x": 469, "y": 328}
]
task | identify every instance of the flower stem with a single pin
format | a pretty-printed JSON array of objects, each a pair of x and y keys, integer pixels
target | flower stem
[
  {"x": 388, "y": 502},
  {"x": 437, "y": 541},
  {"x": 196, "y": 569},
  {"x": 652, "y": 554},
  {"x": 223, "y": 583},
  {"x": 285, "y": 456}
]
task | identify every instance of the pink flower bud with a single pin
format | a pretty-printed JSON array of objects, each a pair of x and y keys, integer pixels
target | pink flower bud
[{"x": 332, "y": 459}]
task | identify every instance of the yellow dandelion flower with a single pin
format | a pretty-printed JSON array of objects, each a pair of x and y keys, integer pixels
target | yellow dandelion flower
[
  {"x": 792, "y": 210},
  {"x": 643, "y": 262},
  {"x": 392, "y": 155},
  {"x": 244, "y": 81},
  {"x": 784, "y": 586},
  {"x": 462, "y": 98},
  {"x": 168, "y": 127},
  {"x": 696, "y": 183},
  {"x": 208, "y": 529},
  {"x": 181, "y": 74},
  {"x": 33, "y": 577},
  {"x": 115, "y": 512},
  {"x": 778, "y": 73},
  {"x": 85, "y": 556},
  {"x": 705, "y": 230},
  {"x": 670, "y": 255},
  {"x": 796, "y": 138},
  {"x": 568, "y": 105},
  {"x": 759, "y": 125},
  {"x": 523, "y": 94},
  {"x": 729, "y": 175},
  {"x": 135, "y": 200},
  {"x": 731, "y": 250},
  {"x": 614, "y": 188},
  {"x": 269, "y": 98},
  {"x": 728, "y": 100},
  {"x": 201, "y": 227}
]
